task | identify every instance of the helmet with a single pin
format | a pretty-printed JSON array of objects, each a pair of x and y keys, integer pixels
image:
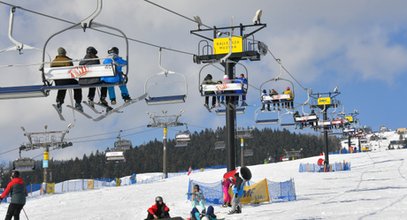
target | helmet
[
  {"x": 158, "y": 199},
  {"x": 264, "y": 91},
  {"x": 288, "y": 88},
  {"x": 61, "y": 51},
  {"x": 15, "y": 173},
  {"x": 91, "y": 50},
  {"x": 114, "y": 50}
]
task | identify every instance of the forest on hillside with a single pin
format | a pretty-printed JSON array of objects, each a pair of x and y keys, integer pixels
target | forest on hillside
[{"x": 268, "y": 145}]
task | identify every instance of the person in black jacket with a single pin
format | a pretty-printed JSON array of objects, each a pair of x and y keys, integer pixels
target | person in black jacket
[
  {"x": 18, "y": 193},
  {"x": 91, "y": 59}
]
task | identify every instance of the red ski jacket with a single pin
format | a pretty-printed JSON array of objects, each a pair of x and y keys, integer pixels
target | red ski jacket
[
  {"x": 154, "y": 209},
  {"x": 17, "y": 189}
]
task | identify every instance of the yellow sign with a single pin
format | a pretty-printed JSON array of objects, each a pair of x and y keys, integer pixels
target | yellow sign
[
  {"x": 222, "y": 45},
  {"x": 91, "y": 184},
  {"x": 256, "y": 193},
  {"x": 349, "y": 118},
  {"x": 324, "y": 101},
  {"x": 46, "y": 155},
  {"x": 50, "y": 188}
]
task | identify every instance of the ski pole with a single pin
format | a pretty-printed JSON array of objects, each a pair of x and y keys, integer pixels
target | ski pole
[{"x": 26, "y": 216}]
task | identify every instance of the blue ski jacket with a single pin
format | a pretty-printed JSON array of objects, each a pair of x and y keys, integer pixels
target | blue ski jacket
[{"x": 118, "y": 63}]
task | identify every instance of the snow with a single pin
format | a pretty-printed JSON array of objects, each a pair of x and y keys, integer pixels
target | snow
[{"x": 375, "y": 188}]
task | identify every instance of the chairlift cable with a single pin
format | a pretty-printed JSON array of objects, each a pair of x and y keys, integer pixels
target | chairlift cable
[
  {"x": 8, "y": 151},
  {"x": 106, "y": 32},
  {"x": 176, "y": 13},
  {"x": 106, "y": 133},
  {"x": 285, "y": 69}
]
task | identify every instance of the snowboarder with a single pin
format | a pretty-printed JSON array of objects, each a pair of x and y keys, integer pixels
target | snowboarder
[
  {"x": 18, "y": 193},
  {"x": 92, "y": 59},
  {"x": 62, "y": 60},
  {"x": 158, "y": 210},
  {"x": 238, "y": 193},
  {"x": 118, "y": 62},
  {"x": 264, "y": 103}
]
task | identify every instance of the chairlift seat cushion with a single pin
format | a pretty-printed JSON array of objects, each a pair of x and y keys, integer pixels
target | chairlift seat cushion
[
  {"x": 23, "y": 92},
  {"x": 306, "y": 118},
  {"x": 77, "y": 72},
  {"x": 268, "y": 98},
  {"x": 165, "y": 99},
  {"x": 267, "y": 121},
  {"x": 208, "y": 88}
]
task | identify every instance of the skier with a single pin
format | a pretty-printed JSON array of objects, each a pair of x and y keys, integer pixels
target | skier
[
  {"x": 273, "y": 92},
  {"x": 244, "y": 81},
  {"x": 62, "y": 60},
  {"x": 198, "y": 199},
  {"x": 238, "y": 193},
  {"x": 208, "y": 81},
  {"x": 225, "y": 187},
  {"x": 289, "y": 103},
  {"x": 18, "y": 193},
  {"x": 264, "y": 102},
  {"x": 158, "y": 210},
  {"x": 118, "y": 62},
  {"x": 91, "y": 59}
]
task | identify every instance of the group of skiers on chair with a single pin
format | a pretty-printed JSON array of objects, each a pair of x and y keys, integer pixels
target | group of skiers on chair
[
  {"x": 220, "y": 99},
  {"x": 199, "y": 211},
  {"x": 91, "y": 58},
  {"x": 284, "y": 103}
]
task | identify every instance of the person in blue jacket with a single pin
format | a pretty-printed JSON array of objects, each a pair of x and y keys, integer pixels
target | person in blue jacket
[
  {"x": 238, "y": 193},
  {"x": 118, "y": 62},
  {"x": 244, "y": 81}
]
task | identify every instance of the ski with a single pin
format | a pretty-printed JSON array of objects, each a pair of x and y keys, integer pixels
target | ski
[
  {"x": 81, "y": 112},
  {"x": 117, "y": 109},
  {"x": 207, "y": 107},
  {"x": 59, "y": 113},
  {"x": 91, "y": 105}
]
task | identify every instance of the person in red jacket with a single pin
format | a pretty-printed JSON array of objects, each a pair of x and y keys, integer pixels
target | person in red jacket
[
  {"x": 18, "y": 193},
  {"x": 158, "y": 210}
]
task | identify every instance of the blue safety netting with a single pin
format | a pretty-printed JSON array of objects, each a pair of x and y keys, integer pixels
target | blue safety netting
[
  {"x": 282, "y": 191},
  {"x": 212, "y": 191},
  {"x": 278, "y": 191},
  {"x": 334, "y": 167}
]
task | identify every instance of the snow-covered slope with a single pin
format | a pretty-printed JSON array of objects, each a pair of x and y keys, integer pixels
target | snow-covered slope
[{"x": 375, "y": 188}]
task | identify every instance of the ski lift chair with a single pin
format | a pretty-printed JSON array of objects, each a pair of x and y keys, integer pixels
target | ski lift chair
[
  {"x": 50, "y": 74},
  {"x": 115, "y": 156},
  {"x": 220, "y": 145},
  {"x": 269, "y": 120},
  {"x": 179, "y": 97},
  {"x": 239, "y": 110},
  {"x": 24, "y": 165},
  {"x": 16, "y": 92},
  {"x": 182, "y": 139},
  {"x": 229, "y": 87}
]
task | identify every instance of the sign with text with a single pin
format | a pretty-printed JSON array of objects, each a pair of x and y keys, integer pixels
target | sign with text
[
  {"x": 222, "y": 45},
  {"x": 324, "y": 101},
  {"x": 256, "y": 193}
]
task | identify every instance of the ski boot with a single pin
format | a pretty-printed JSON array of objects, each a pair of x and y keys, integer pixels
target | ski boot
[
  {"x": 78, "y": 107},
  {"x": 126, "y": 99},
  {"x": 59, "y": 107},
  {"x": 90, "y": 101},
  {"x": 113, "y": 101}
]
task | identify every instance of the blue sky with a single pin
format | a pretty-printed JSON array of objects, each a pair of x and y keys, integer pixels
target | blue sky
[{"x": 361, "y": 47}]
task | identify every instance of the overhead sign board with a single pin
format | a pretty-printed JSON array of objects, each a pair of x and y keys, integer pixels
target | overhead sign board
[{"x": 222, "y": 45}]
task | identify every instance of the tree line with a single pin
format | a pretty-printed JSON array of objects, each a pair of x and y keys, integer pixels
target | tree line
[{"x": 268, "y": 145}]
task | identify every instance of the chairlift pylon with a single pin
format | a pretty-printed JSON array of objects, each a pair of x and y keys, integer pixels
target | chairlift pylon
[{"x": 165, "y": 74}]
